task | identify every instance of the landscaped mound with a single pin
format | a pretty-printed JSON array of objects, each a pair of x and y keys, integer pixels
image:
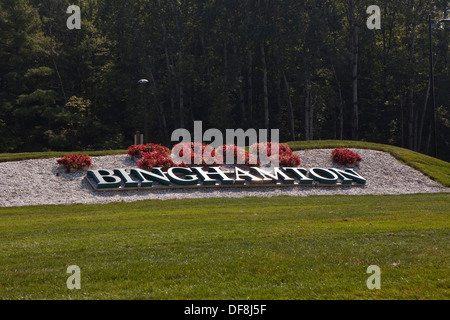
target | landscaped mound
[{"x": 46, "y": 183}]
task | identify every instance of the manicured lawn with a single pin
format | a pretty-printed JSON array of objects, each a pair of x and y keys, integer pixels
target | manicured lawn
[{"x": 253, "y": 248}]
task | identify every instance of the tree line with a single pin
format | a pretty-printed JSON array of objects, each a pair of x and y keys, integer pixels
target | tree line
[{"x": 311, "y": 68}]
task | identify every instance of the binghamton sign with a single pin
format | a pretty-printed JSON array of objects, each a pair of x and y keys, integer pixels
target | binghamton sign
[{"x": 218, "y": 177}]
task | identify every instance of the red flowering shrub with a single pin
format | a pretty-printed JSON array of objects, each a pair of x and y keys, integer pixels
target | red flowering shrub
[
  {"x": 196, "y": 157},
  {"x": 345, "y": 157},
  {"x": 210, "y": 156},
  {"x": 138, "y": 150},
  {"x": 289, "y": 160},
  {"x": 75, "y": 161},
  {"x": 151, "y": 147},
  {"x": 152, "y": 156},
  {"x": 240, "y": 155},
  {"x": 157, "y": 159},
  {"x": 251, "y": 161},
  {"x": 286, "y": 156}
]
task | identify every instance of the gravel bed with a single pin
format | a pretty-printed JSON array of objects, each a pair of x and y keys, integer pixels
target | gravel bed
[{"x": 39, "y": 182}]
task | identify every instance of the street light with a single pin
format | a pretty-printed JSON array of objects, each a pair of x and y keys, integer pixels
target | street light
[
  {"x": 433, "y": 99},
  {"x": 143, "y": 82}
]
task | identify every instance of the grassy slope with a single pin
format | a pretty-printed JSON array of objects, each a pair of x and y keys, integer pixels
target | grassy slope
[
  {"x": 4, "y": 157},
  {"x": 252, "y": 248},
  {"x": 436, "y": 169}
]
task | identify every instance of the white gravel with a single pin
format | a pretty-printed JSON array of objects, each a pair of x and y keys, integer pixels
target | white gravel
[{"x": 39, "y": 182}]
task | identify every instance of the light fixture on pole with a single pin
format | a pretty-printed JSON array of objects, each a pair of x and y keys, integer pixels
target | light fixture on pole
[{"x": 143, "y": 82}]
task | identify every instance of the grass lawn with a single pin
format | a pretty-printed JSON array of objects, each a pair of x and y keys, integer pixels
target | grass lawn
[{"x": 254, "y": 248}]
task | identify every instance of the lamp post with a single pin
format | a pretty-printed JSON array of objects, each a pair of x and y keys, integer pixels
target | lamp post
[
  {"x": 144, "y": 82},
  {"x": 433, "y": 98}
]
